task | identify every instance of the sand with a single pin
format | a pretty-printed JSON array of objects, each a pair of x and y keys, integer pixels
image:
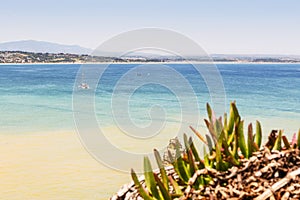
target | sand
[{"x": 53, "y": 166}]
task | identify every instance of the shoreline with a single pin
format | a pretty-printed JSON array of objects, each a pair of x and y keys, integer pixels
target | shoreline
[{"x": 168, "y": 62}]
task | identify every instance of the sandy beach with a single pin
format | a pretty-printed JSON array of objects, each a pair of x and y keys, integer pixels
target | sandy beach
[{"x": 53, "y": 166}]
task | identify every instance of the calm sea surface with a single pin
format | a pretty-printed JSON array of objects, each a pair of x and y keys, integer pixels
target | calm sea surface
[{"x": 38, "y": 98}]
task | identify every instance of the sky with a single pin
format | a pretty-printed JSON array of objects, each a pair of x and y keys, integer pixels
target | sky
[{"x": 222, "y": 27}]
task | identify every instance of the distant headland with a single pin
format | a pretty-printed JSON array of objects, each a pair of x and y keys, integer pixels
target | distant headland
[{"x": 31, "y": 57}]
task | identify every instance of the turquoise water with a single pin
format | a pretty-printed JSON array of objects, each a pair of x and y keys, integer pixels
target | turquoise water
[{"x": 38, "y": 98}]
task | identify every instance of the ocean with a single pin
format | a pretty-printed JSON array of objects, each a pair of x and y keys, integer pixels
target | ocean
[
  {"x": 36, "y": 103},
  {"x": 37, "y": 98}
]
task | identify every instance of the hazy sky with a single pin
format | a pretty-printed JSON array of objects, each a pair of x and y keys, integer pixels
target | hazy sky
[{"x": 228, "y": 26}]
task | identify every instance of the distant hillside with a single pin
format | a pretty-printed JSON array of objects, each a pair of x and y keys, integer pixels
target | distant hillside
[
  {"x": 30, "y": 57},
  {"x": 42, "y": 47}
]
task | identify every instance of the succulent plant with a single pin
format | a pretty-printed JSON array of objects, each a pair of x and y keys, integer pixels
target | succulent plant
[
  {"x": 157, "y": 187},
  {"x": 225, "y": 146}
]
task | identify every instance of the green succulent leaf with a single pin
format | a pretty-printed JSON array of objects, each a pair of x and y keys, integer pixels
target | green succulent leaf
[
  {"x": 221, "y": 138},
  {"x": 212, "y": 131},
  {"x": 241, "y": 138},
  {"x": 162, "y": 170},
  {"x": 209, "y": 113},
  {"x": 207, "y": 123},
  {"x": 229, "y": 155},
  {"x": 236, "y": 143},
  {"x": 206, "y": 159},
  {"x": 250, "y": 140},
  {"x": 225, "y": 125},
  {"x": 194, "y": 150},
  {"x": 140, "y": 188},
  {"x": 231, "y": 137},
  {"x": 163, "y": 189},
  {"x": 235, "y": 111},
  {"x": 277, "y": 145},
  {"x": 175, "y": 186},
  {"x": 258, "y": 134},
  {"x": 218, "y": 127},
  {"x": 209, "y": 142},
  {"x": 181, "y": 166},
  {"x": 233, "y": 116},
  {"x": 219, "y": 160},
  {"x": 192, "y": 166},
  {"x": 186, "y": 142},
  {"x": 231, "y": 121},
  {"x": 149, "y": 178}
]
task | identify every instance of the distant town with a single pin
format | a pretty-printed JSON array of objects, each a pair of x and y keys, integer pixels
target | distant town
[{"x": 30, "y": 57}]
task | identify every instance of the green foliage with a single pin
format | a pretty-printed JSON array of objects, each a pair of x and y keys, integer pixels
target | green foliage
[
  {"x": 140, "y": 188},
  {"x": 181, "y": 167},
  {"x": 241, "y": 141},
  {"x": 258, "y": 134},
  {"x": 162, "y": 170},
  {"x": 250, "y": 141},
  {"x": 163, "y": 189},
  {"x": 280, "y": 141},
  {"x": 229, "y": 139},
  {"x": 277, "y": 145},
  {"x": 226, "y": 144},
  {"x": 158, "y": 186},
  {"x": 176, "y": 187},
  {"x": 149, "y": 178}
]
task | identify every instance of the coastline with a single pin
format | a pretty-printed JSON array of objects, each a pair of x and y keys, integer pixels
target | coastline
[{"x": 168, "y": 62}]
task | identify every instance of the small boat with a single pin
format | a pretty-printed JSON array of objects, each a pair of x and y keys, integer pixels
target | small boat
[{"x": 83, "y": 85}]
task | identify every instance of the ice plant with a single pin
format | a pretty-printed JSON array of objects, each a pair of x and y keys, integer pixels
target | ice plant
[{"x": 226, "y": 145}]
